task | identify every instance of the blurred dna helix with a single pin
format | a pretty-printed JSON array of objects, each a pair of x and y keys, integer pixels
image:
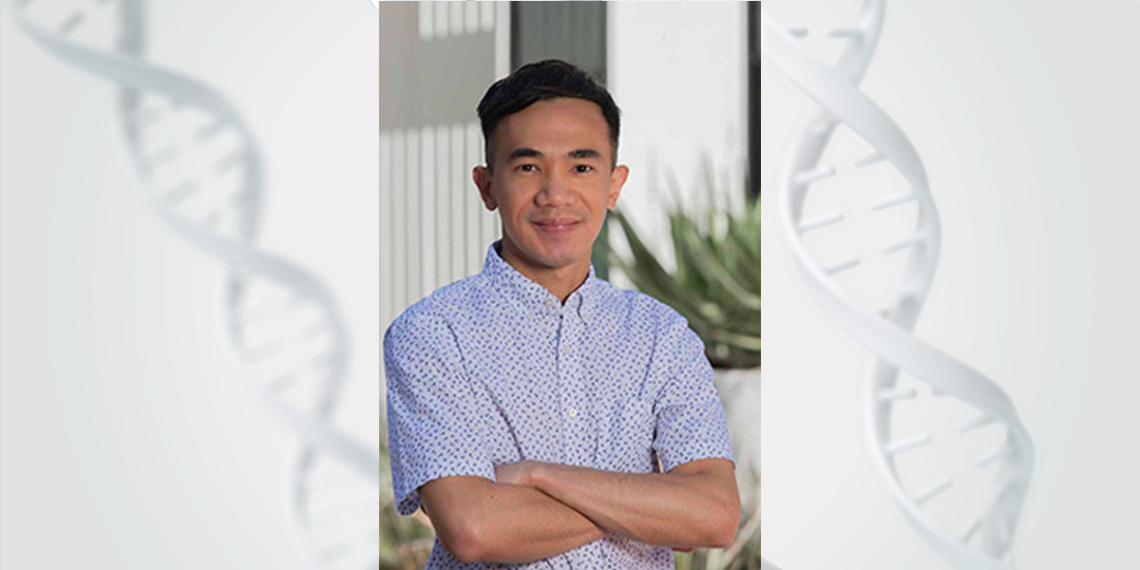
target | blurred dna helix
[
  {"x": 984, "y": 540},
  {"x": 198, "y": 167}
]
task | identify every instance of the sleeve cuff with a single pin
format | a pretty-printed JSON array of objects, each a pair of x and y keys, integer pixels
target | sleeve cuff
[{"x": 409, "y": 498}]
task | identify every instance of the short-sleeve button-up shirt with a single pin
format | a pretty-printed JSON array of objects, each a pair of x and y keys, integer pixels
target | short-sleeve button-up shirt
[{"x": 494, "y": 369}]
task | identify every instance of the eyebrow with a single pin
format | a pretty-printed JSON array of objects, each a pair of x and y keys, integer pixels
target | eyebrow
[{"x": 530, "y": 152}]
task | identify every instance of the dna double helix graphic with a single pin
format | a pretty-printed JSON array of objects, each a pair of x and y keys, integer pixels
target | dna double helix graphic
[
  {"x": 983, "y": 541},
  {"x": 198, "y": 168},
  {"x": 766, "y": 565}
]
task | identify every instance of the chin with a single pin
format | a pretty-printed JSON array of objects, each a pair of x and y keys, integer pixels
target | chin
[
  {"x": 557, "y": 258},
  {"x": 551, "y": 251},
  {"x": 556, "y": 254}
]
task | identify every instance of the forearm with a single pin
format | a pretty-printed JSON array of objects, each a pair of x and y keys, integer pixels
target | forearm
[
  {"x": 523, "y": 524},
  {"x": 675, "y": 510}
]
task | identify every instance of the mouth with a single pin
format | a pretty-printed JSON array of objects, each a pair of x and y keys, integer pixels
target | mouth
[{"x": 556, "y": 225}]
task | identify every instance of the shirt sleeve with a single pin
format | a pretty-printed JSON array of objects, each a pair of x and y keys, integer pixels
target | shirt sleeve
[
  {"x": 691, "y": 420},
  {"x": 434, "y": 430}
]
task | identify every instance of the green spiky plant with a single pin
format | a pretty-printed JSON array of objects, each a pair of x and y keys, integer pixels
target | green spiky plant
[{"x": 716, "y": 286}]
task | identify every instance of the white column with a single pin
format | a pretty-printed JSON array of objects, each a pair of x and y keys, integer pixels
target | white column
[{"x": 678, "y": 71}]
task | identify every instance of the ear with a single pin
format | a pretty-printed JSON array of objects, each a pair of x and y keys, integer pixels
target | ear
[
  {"x": 482, "y": 178},
  {"x": 617, "y": 180}
]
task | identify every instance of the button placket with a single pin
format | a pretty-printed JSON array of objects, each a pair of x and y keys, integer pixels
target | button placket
[
  {"x": 564, "y": 389},
  {"x": 570, "y": 378},
  {"x": 565, "y": 372}
]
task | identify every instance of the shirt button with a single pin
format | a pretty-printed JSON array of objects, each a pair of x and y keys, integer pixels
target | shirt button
[
  {"x": 572, "y": 412},
  {"x": 549, "y": 302},
  {"x": 565, "y": 349}
]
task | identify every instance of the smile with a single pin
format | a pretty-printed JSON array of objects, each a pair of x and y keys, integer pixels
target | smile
[{"x": 557, "y": 227}]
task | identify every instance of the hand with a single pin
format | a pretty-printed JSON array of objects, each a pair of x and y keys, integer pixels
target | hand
[
  {"x": 517, "y": 473},
  {"x": 683, "y": 549}
]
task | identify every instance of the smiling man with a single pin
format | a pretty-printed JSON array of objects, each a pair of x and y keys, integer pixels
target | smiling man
[{"x": 538, "y": 414}]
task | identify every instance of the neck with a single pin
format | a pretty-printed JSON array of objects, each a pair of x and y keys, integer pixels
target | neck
[{"x": 560, "y": 281}]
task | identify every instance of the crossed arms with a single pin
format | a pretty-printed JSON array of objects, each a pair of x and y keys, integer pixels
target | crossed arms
[
  {"x": 537, "y": 510},
  {"x": 526, "y": 511}
]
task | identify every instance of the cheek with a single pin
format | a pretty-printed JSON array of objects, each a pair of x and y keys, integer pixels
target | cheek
[{"x": 512, "y": 213}]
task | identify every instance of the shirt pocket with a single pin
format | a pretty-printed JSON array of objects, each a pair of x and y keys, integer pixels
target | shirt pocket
[{"x": 625, "y": 439}]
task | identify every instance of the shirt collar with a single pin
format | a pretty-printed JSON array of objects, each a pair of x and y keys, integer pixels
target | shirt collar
[{"x": 530, "y": 297}]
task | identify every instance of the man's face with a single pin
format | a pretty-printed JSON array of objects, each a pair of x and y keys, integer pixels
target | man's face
[{"x": 552, "y": 181}]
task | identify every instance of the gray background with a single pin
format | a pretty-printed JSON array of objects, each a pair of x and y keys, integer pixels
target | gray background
[
  {"x": 127, "y": 442},
  {"x": 1025, "y": 115}
]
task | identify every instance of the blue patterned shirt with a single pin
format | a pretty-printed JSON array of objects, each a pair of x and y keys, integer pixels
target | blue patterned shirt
[{"x": 494, "y": 369}]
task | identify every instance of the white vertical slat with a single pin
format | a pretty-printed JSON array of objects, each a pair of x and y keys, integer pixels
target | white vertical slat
[
  {"x": 427, "y": 21},
  {"x": 442, "y": 17},
  {"x": 386, "y": 303},
  {"x": 415, "y": 206},
  {"x": 458, "y": 214},
  {"x": 434, "y": 227},
  {"x": 489, "y": 222},
  {"x": 483, "y": 213},
  {"x": 471, "y": 17},
  {"x": 503, "y": 39},
  {"x": 457, "y": 9},
  {"x": 443, "y": 205},
  {"x": 399, "y": 222},
  {"x": 491, "y": 227},
  {"x": 486, "y": 15},
  {"x": 427, "y": 212},
  {"x": 472, "y": 201}
]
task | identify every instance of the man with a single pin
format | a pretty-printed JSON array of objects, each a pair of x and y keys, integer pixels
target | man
[{"x": 537, "y": 413}]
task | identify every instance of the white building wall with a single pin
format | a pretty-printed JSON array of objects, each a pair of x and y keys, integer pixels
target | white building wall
[{"x": 678, "y": 71}]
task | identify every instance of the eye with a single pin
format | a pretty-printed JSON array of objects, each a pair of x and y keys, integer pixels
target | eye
[
  {"x": 586, "y": 166},
  {"x": 524, "y": 166}
]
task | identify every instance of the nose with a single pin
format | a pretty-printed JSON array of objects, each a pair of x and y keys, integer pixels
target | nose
[{"x": 555, "y": 190}]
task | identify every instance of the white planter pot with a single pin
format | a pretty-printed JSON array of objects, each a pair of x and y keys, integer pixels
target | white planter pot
[{"x": 740, "y": 393}]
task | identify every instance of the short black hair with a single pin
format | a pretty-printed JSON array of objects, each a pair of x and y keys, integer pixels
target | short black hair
[{"x": 546, "y": 79}]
